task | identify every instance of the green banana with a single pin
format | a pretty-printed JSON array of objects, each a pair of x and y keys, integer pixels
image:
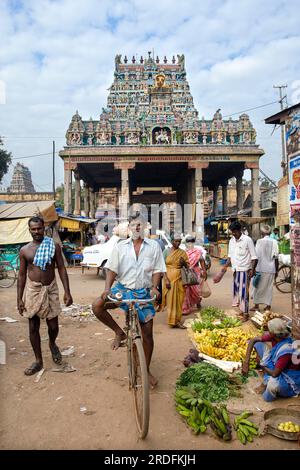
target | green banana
[
  {"x": 253, "y": 431},
  {"x": 225, "y": 415},
  {"x": 220, "y": 425},
  {"x": 248, "y": 423},
  {"x": 244, "y": 429},
  {"x": 185, "y": 413},
  {"x": 203, "y": 414},
  {"x": 216, "y": 430},
  {"x": 241, "y": 437}
]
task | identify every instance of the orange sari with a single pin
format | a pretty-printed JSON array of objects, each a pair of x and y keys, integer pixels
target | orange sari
[{"x": 173, "y": 298}]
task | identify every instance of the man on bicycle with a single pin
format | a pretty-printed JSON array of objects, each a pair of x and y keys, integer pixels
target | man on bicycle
[{"x": 137, "y": 263}]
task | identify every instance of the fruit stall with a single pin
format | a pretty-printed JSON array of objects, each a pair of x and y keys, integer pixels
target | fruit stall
[{"x": 206, "y": 390}]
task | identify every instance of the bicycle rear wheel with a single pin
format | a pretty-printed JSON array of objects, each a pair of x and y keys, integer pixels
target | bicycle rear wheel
[
  {"x": 140, "y": 387},
  {"x": 283, "y": 281},
  {"x": 8, "y": 274}
]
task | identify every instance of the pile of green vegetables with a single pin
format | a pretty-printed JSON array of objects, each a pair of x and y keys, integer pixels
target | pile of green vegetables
[
  {"x": 199, "y": 389},
  {"x": 210, "y": 382},
  {"x": 209, "y": 315}
]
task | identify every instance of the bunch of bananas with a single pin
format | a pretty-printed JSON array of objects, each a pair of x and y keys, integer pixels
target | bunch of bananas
[
  {"x": 220, "y": 423},
  {"x": 228, "y": 344},
  {"x": 194, "y": 410},
  {"x": 245, "y": 429}
]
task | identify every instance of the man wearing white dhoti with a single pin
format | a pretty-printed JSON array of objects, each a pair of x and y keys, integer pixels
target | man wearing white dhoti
[{"x": 267, "y": 254}]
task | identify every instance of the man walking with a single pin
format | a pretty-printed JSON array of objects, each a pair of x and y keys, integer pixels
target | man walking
[
  {"x": 267, "y": 254},
  {"x": 37, "y": 278},
  {"x": 137, "y": 263},
  {"x": 243, "y": 259}
]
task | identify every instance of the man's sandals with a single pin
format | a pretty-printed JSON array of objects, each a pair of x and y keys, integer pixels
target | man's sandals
[{"x": 33, "y": 369}]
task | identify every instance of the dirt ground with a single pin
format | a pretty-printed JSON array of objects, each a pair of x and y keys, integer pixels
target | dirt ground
[{"x": 46, "y": 415}]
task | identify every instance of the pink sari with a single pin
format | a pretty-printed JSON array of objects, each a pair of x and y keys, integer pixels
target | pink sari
[{"x": 193, "y": 293}]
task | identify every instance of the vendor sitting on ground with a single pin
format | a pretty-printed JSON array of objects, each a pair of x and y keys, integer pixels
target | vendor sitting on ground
[{"x": 280, "y": 362}]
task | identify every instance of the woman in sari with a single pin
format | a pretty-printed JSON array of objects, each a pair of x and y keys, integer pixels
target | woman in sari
[
  {"x": 280, "y": 362},
  {"x": 196, "y": 255},
  {"x": 173, "y": 290}
]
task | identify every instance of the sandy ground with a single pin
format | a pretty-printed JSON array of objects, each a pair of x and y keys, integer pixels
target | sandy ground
[{"x": 46, "y": 415}]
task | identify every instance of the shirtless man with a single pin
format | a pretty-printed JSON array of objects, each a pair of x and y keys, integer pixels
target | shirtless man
[{"x": 37, "y": 278}]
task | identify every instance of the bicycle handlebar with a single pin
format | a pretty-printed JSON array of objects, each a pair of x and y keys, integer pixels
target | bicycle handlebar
[{"x": 129, "y": 301}]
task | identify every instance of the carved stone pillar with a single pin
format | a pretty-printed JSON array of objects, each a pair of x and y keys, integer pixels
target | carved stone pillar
[
  {"x": 124, "y": 194},
  {"x": 92, "y": 203},
  {"x": 239, "y": 190},
  {"x": 68, "y": 191},
  {"x": 77, "y": 204},
  {"x": 224, "y": 199},
  {"x": 255, "y": 200},
  {"x": 215, "y": 200},
  {"x": 197, "y": 198},
  {"x": 86, "y": 200}
]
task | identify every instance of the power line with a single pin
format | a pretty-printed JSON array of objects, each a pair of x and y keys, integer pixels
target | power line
[
  {"x": 30, "y": 137},
  {"x": 251, "y": 109},
  {"x": 32, "y": 156}
]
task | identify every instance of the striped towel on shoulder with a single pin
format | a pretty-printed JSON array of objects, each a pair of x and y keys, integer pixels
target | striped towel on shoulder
[{"x": 44, "y": 253}]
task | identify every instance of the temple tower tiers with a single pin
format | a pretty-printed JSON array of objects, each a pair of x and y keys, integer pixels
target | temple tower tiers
[{"x": 21, "y": 180}]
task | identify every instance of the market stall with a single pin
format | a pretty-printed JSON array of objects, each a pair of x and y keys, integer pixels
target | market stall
[{"x": 75, "y": 233}]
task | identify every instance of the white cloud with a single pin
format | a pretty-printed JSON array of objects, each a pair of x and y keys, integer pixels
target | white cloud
[{"x": 57, "y": 56}]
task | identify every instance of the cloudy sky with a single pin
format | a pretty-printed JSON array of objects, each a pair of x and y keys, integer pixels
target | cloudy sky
[{"x": 57, "y": 56}]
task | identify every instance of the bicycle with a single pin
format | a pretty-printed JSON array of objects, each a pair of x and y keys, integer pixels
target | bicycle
[
  {"x": 137, "y": 368},
  {"x": 283, "y": 281},
  {"x": 8, "y": 274}
]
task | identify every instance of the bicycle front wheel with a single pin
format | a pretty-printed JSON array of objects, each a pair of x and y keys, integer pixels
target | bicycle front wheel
[
  {"x": 140, "y": 387},
  {"x": 8, "y": 274}
]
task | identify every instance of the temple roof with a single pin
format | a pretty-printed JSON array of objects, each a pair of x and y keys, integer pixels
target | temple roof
[{"x": 150, "y": 103}]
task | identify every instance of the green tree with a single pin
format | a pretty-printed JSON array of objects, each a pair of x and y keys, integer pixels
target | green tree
[
  {"x": 59, "y": 196},
  {"x": 5, "y": 161}
]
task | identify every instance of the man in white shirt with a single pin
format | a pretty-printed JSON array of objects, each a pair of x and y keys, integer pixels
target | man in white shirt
[
  {"x": 137, "y": 264},
  {"x": 243, "y": 259},
  {"x": 267, "y": 266}
]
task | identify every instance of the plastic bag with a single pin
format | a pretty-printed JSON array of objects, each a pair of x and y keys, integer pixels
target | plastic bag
[{"x": 205, "y": 290}]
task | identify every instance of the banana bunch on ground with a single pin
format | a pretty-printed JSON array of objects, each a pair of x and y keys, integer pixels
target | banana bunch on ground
[
  {"x": 220, "y": 423},
  {"x": 246, "y": 430},
  {"x": 228, "y": 344},
  {"x": 196, "y": 411}
]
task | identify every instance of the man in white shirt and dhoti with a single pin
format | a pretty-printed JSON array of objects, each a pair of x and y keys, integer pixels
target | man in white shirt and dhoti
[{"x": 267, "y": 266}]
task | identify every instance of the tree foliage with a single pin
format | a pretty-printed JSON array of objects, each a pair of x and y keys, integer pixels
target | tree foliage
[{"x": 5, "y": 161}]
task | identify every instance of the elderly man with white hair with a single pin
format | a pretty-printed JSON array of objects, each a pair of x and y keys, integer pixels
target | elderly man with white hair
[
  {"x": 279, "y": 359},
  {"x": 267, "y": 254}
]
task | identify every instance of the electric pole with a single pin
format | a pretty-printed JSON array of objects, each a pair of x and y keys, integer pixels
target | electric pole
[
  {"x": 283, "y": 105},
  {"x": 53, "y": 169}
]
